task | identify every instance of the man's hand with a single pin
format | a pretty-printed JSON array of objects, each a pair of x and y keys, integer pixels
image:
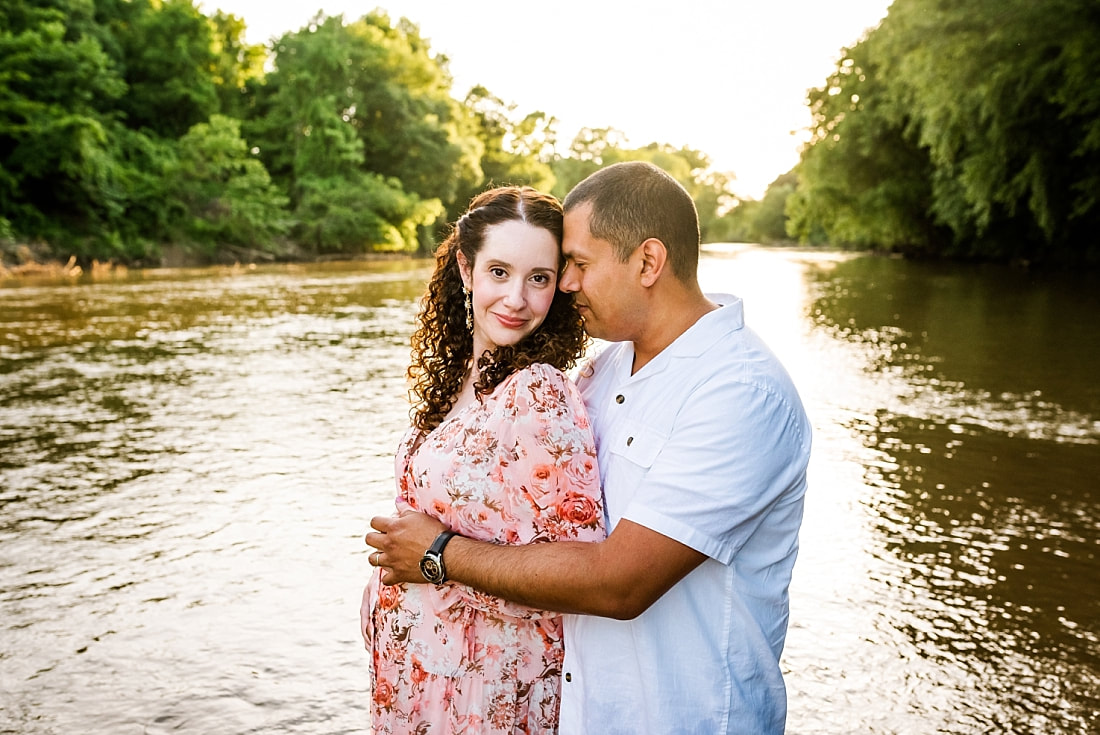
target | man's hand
[{"x": 401, "y": 542}]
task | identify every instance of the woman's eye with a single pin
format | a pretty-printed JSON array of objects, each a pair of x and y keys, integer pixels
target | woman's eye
[
  {"x": 541, "y": 278},
  {"x": 497, "y": 272}
]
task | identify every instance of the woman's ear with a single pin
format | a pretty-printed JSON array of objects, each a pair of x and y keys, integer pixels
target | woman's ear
[{"x": 464, "y": 270}]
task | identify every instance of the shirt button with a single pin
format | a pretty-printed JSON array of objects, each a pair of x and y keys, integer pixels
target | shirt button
[
  {"x": 620, "y": 398},
  {"x": 629, "y": 440},
  {"x": 568, "y": 676}
]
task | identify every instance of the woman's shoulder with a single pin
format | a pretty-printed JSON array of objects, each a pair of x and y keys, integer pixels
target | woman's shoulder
[
  {"x": 544, "y": 370},
  {"x": 539, "y": 383},
  {"x": 538, "y": 374}
]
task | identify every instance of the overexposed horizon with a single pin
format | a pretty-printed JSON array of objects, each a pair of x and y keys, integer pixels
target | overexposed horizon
[{"x": 728, "y": 78}]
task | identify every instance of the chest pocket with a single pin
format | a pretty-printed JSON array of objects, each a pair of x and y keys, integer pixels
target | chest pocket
[{"x": 638, "y": 444}]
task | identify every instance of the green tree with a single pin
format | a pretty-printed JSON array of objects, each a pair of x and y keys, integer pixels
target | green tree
[
  {"x": 223, "y": 193},
  {"x": 92, "y": 99},
  {"x": 594, "y": 148},
  {"x": 590, "y": 150},
  {"x": 340, "y": 207},
  {"x": 365, "y": 214},
  {"x": 770, "y": 223},
  {"x": 372, "y": 90},
  {"x": 967, "y": 129},
  {"x": 863, "y": 182},
  {"x": 58, "y": 173},
  {"x": 999, "y": 102},
  {"x": 514, "y": 151},
  {"x": 763, "y": 221},
  {"x": 164, "y": 51},
  {"x": 382, "y": 81},
  {"x": 238, "y": 66},
  {"x": 714, "y": 199},
  {"x": 736, "y": 225}
]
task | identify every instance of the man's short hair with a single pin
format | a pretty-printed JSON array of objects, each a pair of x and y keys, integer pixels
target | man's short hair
[{"x": 633, "y": 201}]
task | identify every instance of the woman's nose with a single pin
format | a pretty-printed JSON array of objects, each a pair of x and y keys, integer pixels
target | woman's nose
[{"x": 515, "y": 297}]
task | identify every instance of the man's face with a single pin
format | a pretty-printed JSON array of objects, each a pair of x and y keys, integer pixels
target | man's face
[{"x": 605, "y": 287}]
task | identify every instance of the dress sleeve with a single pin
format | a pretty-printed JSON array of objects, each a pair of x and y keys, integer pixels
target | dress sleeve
[{"x": 545, "y": 479}]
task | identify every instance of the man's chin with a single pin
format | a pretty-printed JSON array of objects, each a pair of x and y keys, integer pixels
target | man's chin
[{"x": 594, "y": 331}]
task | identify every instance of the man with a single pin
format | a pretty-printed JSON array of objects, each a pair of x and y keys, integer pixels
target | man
[{"x": 678, "y": 618}]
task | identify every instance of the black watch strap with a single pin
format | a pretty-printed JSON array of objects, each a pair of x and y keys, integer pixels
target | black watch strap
[
  {"x": 431, "y": 564},
  {"x": 440, "y": 542}
]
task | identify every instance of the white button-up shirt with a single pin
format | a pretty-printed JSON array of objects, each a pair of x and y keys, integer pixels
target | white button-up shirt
[{"x": 707, "y": 444}]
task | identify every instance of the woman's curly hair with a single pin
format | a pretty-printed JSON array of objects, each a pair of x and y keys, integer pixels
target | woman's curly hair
[{"x": 442, "y": 345}]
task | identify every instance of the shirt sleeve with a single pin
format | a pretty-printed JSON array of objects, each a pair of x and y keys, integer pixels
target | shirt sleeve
[
  {"x": 735, "y": 455},
  {"x": 546, "y": 474}
]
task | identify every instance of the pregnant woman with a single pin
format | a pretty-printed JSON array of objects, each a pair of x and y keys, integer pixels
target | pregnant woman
[{"x": 499, "y": 449}]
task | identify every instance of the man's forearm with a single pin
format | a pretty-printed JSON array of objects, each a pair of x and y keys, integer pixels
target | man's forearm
[
  {"x": 619, "y": 577},
  {"x": 549, "y": 576},
  {"x": 545, "y": 575}
]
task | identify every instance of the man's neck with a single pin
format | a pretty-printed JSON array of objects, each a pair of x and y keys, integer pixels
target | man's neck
[{"x": 666, "y": 322}]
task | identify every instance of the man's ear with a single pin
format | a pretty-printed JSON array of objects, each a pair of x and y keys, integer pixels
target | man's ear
[
  {"x": 464, "y": 270},
  {"x": 654, "y": 257}
]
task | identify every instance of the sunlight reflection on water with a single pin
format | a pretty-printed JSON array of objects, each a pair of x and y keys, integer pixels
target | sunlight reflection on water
[
  {"x": 948, "y": 525},
  {"x": 189, "y": 459}
]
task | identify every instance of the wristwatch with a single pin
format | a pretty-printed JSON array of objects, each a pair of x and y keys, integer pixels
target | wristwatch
[{"x": 431, "y": 564}]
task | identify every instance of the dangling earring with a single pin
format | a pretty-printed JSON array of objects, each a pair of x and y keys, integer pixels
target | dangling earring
[{"x": 469, "y": 308}]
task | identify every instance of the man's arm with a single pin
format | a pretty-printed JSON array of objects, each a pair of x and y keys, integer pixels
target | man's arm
[{"x": 619, "y": 577}]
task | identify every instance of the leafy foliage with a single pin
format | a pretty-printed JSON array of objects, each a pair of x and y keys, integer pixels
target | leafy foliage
[
  {"x": 593, "y": 148},
  {"x": 126, "y": 125},
  {"x": 513, "y": 151},
  {"x": 163, "y": 51},
  {"x": 965, "y": 129},
  {"x": 223, "y": 194}
]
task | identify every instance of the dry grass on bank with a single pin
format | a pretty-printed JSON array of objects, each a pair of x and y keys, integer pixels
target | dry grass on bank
[{"x": 29, "y": 266}]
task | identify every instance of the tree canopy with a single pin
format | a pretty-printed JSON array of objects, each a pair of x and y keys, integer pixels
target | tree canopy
[
  {"x": 961, "y": 129},
  {"x": 952, "y": 129},
  {"x": 129, "y": 125}
]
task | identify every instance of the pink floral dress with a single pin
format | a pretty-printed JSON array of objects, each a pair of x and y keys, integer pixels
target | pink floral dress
[{"x": 517, "y": 468}]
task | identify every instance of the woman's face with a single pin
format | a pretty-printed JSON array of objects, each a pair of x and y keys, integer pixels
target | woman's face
[{"x": 513, "y": 280}]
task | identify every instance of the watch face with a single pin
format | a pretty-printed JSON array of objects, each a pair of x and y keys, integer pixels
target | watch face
[{"x": 431, "y": 569}]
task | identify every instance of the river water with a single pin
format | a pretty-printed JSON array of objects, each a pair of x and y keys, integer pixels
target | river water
[{"x": 188, "y": 460}]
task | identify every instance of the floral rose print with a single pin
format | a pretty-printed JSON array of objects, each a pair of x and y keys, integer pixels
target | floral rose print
[{"x": 580, "y": 510}]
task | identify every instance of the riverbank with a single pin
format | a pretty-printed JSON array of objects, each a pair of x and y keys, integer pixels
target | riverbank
[{"x": 24, "y": 262}]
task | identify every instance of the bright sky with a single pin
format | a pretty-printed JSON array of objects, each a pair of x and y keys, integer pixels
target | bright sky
[{"x": 727, "y": 77}]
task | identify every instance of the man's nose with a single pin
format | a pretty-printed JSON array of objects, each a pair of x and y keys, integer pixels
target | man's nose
[{"x": 568, "y": 283}]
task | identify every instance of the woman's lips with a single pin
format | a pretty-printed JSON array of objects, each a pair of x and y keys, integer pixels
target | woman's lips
[{"x": 510, "y": 322}]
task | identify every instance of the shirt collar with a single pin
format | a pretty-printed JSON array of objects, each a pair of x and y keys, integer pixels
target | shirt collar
[{"x": 712, "y": 326}]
